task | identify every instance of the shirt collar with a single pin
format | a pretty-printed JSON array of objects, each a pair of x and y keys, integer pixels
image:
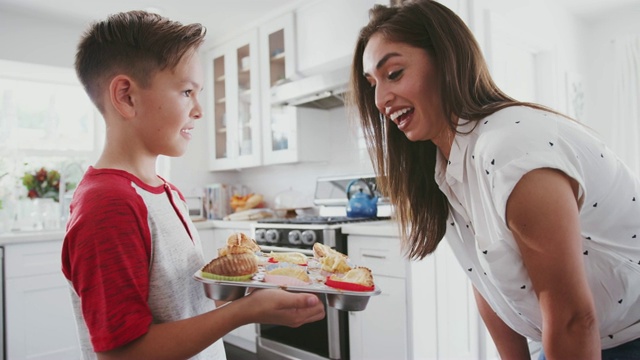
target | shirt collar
[{"x": 452, "y": 170}]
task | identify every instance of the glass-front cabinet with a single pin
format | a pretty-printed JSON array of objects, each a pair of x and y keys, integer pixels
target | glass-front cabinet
[
  {"x": 278, "y": 66},
  {"x": 233, "y": 104}
]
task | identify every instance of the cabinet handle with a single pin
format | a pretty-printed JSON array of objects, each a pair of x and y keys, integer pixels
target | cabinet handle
[{"x": 374, "y": 256}]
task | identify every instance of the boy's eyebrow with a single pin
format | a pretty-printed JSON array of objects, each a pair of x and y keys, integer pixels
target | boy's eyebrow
[{"x": 383, "y": 61}]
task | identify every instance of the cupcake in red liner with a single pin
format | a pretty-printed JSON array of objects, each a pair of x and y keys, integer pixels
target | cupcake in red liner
[{"x": 358, "y": 279}]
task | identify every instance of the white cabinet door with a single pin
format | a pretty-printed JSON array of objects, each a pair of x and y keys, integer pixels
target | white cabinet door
[
  {"x": 40, "y": 323},
  {"x": 380, "y": 331},
  {"x": 233, "y": 104}
]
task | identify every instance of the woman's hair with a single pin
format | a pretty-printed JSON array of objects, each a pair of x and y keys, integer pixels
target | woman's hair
[
  {"x": 405, "y": 169},
  {"x": 136, "y": 43}
]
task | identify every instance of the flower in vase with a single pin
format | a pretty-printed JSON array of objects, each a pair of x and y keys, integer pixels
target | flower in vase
[{"x": 42, "y": 184}]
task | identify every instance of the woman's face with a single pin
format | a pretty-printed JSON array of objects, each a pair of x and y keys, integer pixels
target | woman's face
[{"x": 406, "y": 88}]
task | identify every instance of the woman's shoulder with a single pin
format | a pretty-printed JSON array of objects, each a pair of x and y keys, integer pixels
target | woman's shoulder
[{"x": 517, "y": 128}]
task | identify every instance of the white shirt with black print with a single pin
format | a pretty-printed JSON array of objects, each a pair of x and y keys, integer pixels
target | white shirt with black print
[{"x": 484, "y": 167}]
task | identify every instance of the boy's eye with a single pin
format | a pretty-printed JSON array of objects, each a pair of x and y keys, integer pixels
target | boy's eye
[{"x": 395, "y": 74}]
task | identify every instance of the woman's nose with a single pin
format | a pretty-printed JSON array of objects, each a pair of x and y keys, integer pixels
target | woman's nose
[{"x": 383, "y": 98}]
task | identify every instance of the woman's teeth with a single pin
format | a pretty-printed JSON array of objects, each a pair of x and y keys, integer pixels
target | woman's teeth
[{"x": 399, "y": 113}]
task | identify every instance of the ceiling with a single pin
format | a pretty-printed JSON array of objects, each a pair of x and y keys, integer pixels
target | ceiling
[
  {"x": 217, "y": 15},
  {"x": 591, "y": 9},
  {"x": 227, "y": 14}
]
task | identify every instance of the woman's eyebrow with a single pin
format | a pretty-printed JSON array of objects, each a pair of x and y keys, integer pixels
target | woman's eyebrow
[{"x": 383, "y": 61}]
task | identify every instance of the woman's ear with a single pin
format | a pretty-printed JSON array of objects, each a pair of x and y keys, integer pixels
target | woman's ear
[{"x": 120, "y": 92}]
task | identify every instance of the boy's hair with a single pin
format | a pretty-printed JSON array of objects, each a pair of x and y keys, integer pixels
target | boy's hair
[{"x": 135, "y": 43}]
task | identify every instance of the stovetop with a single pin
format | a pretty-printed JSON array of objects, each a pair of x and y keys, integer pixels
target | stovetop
[{"x": 321, "y": 220}]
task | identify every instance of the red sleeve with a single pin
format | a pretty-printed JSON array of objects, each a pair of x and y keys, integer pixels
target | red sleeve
[{"x": 106, "y": 256}]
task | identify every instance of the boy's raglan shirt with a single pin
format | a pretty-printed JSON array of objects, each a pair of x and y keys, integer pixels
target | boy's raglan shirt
[{"x": 129, "y": 254}]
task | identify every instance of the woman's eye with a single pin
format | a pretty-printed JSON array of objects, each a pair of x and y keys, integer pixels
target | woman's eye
[
  {"x": 395, "y": 74},
  {"x": 187, "y": 93}
]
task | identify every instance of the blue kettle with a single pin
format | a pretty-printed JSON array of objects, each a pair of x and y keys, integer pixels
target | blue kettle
[{"x": 361, "y": 204}]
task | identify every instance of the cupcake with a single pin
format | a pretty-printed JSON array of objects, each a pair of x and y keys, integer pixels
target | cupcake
[{"x": 232, "y": 267}]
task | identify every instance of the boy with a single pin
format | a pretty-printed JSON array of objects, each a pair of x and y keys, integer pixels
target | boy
[{"x": 130, "y": 249}]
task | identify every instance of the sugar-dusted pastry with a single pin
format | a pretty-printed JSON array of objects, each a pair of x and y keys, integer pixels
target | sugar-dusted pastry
[
  {"x": 331, "y": 261},
  {"x": 289, "y": 257},
  {"x": 231, "y": 267}
]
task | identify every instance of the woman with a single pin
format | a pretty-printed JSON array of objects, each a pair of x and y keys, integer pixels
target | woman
[{"x": 542, "y": 216}]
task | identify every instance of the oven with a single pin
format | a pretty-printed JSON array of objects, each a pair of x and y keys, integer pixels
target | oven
[
  {"x": 324, "y": 339},
  {"x": 329, "y": 337}
]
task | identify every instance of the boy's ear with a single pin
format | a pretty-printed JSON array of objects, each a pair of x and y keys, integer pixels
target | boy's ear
[{"x": 120, "y": 91}]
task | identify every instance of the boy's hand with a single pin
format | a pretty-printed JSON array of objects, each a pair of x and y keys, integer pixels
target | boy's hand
[{"x": 279, "y": 307}]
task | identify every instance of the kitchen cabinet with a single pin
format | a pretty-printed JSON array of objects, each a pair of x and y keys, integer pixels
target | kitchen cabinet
[
  {"x": 233, "y": 103},
  {"x": 212, "y": 239},
  {"x": 426, "y": 309},
  {"x": 40, "y": 323},
  {"x": 278, "y": 65},
  {"x": 381, "y": 330},
  {"x": 327, "y": 31}
]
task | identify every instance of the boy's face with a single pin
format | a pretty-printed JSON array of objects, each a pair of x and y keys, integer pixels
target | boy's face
[{"x": 168, "y": 108}]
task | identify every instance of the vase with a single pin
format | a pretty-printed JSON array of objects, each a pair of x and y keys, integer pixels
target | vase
[{"x": 37, "y": 214}]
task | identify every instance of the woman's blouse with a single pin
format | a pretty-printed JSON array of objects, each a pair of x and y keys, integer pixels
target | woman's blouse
[{"x": 484, "y": 167}]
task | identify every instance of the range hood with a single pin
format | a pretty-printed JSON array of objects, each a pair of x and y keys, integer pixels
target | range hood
[{"x": 322, "y": 91}]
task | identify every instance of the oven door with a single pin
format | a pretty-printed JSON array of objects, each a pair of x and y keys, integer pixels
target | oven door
[{"x": 320, "y": 340}]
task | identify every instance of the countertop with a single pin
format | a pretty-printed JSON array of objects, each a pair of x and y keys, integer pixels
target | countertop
[
  {"x": 374, "y": 228},
  {"x": 21, "y": 237}
]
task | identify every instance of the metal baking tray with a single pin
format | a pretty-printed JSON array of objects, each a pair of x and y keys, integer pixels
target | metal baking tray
[{"x": 340, "y": 299}]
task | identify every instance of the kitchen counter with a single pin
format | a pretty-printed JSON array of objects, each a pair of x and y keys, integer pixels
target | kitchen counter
[
  {"x": 22, "y": 237},
  {"x": 373, "y": 228}
]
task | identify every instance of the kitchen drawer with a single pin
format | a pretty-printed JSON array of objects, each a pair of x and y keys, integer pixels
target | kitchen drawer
[
  {"x": 37, "y": 258},
  {"x": 380, "y": 254}
]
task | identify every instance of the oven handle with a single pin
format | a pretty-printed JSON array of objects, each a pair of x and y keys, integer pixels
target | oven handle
[{"x": 266, "y": 248}]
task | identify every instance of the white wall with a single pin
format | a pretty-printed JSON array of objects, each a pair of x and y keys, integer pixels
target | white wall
[
  {"x": 599, "y": 39},
  {"x": 580, "y": 46},
  {"x": 38, "y": 40}
]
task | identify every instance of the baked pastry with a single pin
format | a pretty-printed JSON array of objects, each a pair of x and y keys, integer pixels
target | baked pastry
[
  {"x": 360, "y": 275},
  {"x": 357, "y": 279},
  {"x": 290, "y": 257},
  {"x": 293, "y": 272},
  {"x": 239, "y": 243},
  {"x": 331, "y": 261},
  {"x": 231, "y": 267}
]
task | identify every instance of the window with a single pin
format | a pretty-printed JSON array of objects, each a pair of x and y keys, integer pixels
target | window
[{"x": 46, "y": 120}]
